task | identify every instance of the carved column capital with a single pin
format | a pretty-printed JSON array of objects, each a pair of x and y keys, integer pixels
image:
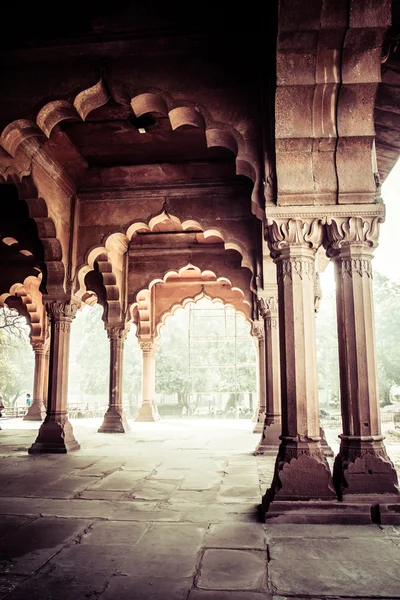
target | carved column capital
[
  {"x": 342, "y": 232},
  {"x": 291, "y": 232},
  {"x": 39, "y": 347},
  {"x": 268, "y": 306},
  {"x": 118, "y": 334},
  {"x": 58, "y": 310},
  {"x": 147, "y": 346}
]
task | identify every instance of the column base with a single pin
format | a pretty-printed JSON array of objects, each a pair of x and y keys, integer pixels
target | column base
[
  {"x": 114, "y": 422},
  {"x": 270, "y": 440},
  {"x": 317, "y": 512},
  {"x": 36, "y": 412},
  {"x": 259, "y": 420},
  {"x": 327, "y": 450},
  {"x": 147, "y": 413},
  {"x": 363, "y": 467},
  {"x": 301, "y": 474},
  {"x": 55, "y": 437}
]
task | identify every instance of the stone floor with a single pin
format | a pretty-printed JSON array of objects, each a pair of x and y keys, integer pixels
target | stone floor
[{"x": 169, "y": 512}]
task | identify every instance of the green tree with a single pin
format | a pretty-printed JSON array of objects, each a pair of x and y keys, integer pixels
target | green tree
[
  {"x": 387, "y": 322},
  {"x": 16, "y": 356}
]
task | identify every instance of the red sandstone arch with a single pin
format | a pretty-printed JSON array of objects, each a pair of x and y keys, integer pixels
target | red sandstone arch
[
  {"x": 148, "y": 324},
  {"x": 192, "y": 300},
  {"x": 23, "y": 140},
  {"x": 109, "y": 258},
  {"x": 31, "y": 299},
  {"x": 37, "y": 210}
]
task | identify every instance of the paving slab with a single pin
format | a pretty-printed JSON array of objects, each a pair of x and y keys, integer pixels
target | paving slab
[
  {"x": 10, "y": 524},
  {"x": 29, "y": 548},
  {"x": 147, "y": 588},
  {"x": 173, "y": 548},
  {"x": 120, "y": 480},
  {"x": 233, "y": 570},
  {"x": 9, "y": 583},
  {"x": 345, "y": 548},
  {"x": 231, "y": 595},
  {"x": 122, "y": 511},
  {"x": 236, "y": 535},
  {"x": 352, "y": 578},
  {"x": 147, "y": 490},
  {"x": 109, "y": 533}
]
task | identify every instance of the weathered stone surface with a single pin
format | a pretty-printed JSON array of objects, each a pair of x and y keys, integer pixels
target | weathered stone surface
[
  {"x": 149, "y": 588},
  {"x": 240, "y": 535},
  {"x": 174, "y": 548},
  {"x": 35, "y": 543},
  {"x": 231, "y": 595},
  {"x": 232, "y": 570},
  {"x": 113, "y": 533}
]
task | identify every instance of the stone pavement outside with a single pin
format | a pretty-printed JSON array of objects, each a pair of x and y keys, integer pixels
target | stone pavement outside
[{"x": 169, "y": 512}]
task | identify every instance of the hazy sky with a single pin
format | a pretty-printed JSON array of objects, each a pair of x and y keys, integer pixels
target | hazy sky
[{"x": 387, "y": 255}]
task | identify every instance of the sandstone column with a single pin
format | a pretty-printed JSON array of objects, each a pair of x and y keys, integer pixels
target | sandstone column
[
  {"x": 37, "y": 411},
  {"x": 55, "y": 434},
  {"x": 114, "y": 419},
  {"x": 301, "y": 470},
  {"x": 362, "y": 465},
  {"x": 272, "y": 428},
  {"x": 46, "y": 374},
  {"x": 258, "y": 336},
  {"x": 148, "y": 409}
]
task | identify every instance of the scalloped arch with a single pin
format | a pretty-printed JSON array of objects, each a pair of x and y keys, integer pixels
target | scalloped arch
[
  {"x": 192, "y": 300},
  {"x": 37, "y": 210},
  {"x": 123, "y": 239},
  {"x": 31, "y": 298},
  {"x": 181, "y": 113}
]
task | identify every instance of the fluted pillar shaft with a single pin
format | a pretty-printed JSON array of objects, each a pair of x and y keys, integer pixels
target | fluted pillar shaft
[
  {"x": 362, "y": 465},
  {"x": 37, "y": 411},
  {"x": 46, "y": 360},
  {"x": 272, "y": 427},
  {"x": 55, "y": 434},
  {"x": 114, "y": 419},
  {"x": 148, "y": 409},
  {"x": 258, "y": 336},
  {"x": 301, "y": 470}
]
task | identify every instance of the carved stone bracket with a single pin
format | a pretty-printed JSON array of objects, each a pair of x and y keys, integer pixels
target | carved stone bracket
[{"x": 257, "y": 330}]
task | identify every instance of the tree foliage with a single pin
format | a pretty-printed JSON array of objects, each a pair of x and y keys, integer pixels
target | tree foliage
[
  {"x": 16, "y": 356},
  {"x": 387, "y": 328}
]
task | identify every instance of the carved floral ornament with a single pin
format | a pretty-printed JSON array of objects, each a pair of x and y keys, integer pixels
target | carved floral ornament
[
  {"x": 257, "y": 330},
  {"x": 58, "y": 310},
  {"x": 268, "y": 306},
  {"x": 341, "y": 232},
  {"x": 288, "y": 232},
  {"x": 148, "y": 346},
  {"x": 118, "y": 334}
]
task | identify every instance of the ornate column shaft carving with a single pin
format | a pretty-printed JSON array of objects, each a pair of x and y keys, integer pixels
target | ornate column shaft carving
[
  {"x": 114, "y": 418},
  {"x": 362, "y": 465},
  {"x": 301, "y": 471},
  {"x": 37, "y": 411},
  {"x": 148, "y": 409},
  {"x": 55, "y": 434},
  {"x": 272, "y": 427}
]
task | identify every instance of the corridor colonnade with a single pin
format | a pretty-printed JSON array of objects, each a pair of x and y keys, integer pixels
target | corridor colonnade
[{"x": 363, "y": 473}]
